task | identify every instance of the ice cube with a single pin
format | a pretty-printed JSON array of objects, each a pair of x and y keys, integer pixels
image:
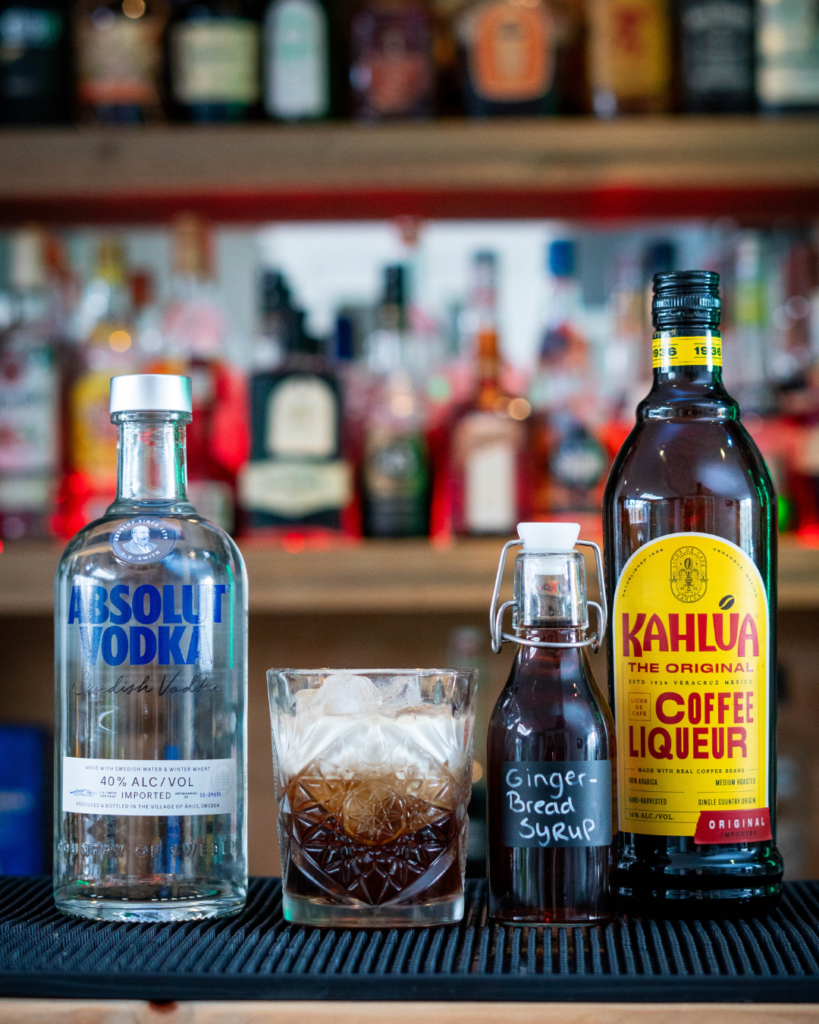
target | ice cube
[
  {"x": 401, "y": 693},
  {"x": 346, "y": 694},
  {"x": 306, "y": 700}
]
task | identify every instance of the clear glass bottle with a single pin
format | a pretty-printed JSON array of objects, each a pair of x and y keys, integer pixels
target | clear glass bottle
[
  {"x": 151, "y": 683},
  {"x": 550, "y": 749}
]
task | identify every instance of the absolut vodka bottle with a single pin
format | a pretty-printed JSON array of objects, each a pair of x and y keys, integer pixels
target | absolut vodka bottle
[{"x": 151, "y": 680}]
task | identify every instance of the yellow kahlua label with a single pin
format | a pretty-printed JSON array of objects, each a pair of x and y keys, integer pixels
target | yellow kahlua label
[
  {"x": 667, "y": 352},
  {"x": 691, "y": 674}
]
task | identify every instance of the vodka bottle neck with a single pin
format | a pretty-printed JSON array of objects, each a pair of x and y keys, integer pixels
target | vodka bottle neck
[{"x": 151, "y": 461}]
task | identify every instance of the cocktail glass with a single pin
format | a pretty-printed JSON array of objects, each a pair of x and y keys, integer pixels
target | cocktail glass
[{"x": 373, "y": 772}]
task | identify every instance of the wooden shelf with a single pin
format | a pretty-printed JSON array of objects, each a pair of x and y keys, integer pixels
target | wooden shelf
[
  {"x": 748, "y": 167},
  {"x": 374, "y": 576}
]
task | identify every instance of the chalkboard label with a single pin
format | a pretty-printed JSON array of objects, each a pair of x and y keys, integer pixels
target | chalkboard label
[{"x": 556, "y": 803}]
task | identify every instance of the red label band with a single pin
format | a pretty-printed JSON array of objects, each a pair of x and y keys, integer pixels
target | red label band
[{"x": 733, "y": 826}]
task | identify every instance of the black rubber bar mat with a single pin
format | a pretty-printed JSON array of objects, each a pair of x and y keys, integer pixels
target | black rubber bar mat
[{"x": 257, "y": 955}]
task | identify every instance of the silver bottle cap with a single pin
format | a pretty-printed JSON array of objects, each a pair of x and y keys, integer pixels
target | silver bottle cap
[{"x": 150, "y": 392}]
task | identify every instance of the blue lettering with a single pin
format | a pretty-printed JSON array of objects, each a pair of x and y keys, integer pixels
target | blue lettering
[
  {"x": 90, "y": 643},
  {"x": 193, "y": 650},
  {"x": 187, "y": 605},
  {"x": 114, "y": 636},
  {"x": 170, "y": 653},
  {"x": 154, "y": 604},
  {"x": 138, "y": 655},
  {"x": 75, "y": 608},
  {"x": 169, "y": 613},
  {"x": 218, "y": 591},
  {"x": 120, "y": 610},
  {"x": 97, "y": 606}
]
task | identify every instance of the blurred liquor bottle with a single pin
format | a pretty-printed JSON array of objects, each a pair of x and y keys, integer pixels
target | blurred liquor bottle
[
  {"x": 193, "y": 331},
  {"x": 487, "y": 481},
  {"x": 787, "y": 55},
  {"x": 395, "y": 470},
  {"x": 29, "y": 396},
  {"x": 105, "y": 327},
  {"x": 569, "y": 462},
  {"x": 629, "y": 58},
  {"x": 35, "y": 83},
  {"x": 748, "y": 330},
  {"x": 297, "y": 479},
  {"x": 512, "y": 56},
  {"x": 392, "y": 73},
  {"x": 297, "y": 60},
  {"x": 214, "y": 59},
  {"x": 717, "y": 55},
  {"x": 119, "y": 59}
]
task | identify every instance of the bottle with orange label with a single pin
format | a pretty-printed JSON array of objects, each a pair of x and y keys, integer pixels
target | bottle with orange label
[
  {"x": 510, "y": 55},
  {"x": 630, "y": 58},
  {"x": 690, "y": 535}
]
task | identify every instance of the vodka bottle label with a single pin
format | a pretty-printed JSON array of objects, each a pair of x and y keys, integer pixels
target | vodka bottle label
[
  {"x": 138, "y": 788},
  {"x": 691, "y": 683}
]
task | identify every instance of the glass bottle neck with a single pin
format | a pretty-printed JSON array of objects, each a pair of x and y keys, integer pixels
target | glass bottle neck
[
  {"x": 550, "y": 592},
  {"x": 151, "y": 461},
  {"x": 687, "y": 363}
]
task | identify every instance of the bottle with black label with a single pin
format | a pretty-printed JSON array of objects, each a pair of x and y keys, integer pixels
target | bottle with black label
[
  {"x": 551, "y": 747},
  {"x": 511, "y": 55},
  {"x": 297, "y": 479},
  {"x": 690, "y": 531},
  {"x": 717, "y": 55}
]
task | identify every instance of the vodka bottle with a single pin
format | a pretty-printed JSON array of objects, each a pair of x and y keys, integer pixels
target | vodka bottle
[{"x": 151, "y": 679}]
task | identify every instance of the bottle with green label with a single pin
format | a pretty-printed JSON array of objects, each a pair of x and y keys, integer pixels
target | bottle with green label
[
  {"x": 550, "y": 747},
  {"x": 690, "y": 538}
]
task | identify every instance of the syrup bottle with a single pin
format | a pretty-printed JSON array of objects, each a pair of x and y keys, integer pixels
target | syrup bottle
[{"x": 550, "y": 749}]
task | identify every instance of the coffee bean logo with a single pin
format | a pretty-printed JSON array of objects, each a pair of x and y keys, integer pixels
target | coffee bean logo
[{"x": 727, "y": 602}]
